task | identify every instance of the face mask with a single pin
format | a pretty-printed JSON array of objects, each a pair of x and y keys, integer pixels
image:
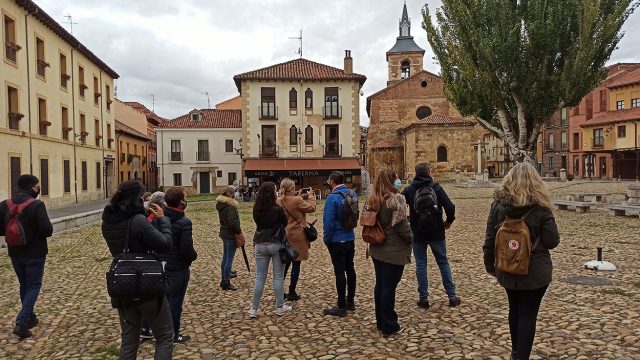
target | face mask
[
  {"x": 146, "y": 205},
  {"x": 397, "y": 183},
  {"x": 184, "y": 204}
]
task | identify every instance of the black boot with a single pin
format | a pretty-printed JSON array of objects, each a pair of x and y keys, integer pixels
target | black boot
[{"x": 226, "y": 285}]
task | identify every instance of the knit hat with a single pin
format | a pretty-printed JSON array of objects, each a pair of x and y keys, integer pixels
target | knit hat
[{"x": 26, "y": 182}]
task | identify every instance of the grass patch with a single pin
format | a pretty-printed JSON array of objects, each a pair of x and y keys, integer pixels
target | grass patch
[
  {"x": 6, "y": 266},
  {"x": 616, "y": 291},
  {"x": 637, "y": 285},
  {"x": 103, "y": 259},
  {"x": 110, "y": 350},
  {"x": 202, "y": 197},
  {"x": 456, "y": 261}
]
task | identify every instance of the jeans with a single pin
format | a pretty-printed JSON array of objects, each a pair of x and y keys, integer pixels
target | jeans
[
  {"x": 523, "y": 312},
  {"x": 439, "y": 250},
  {"x": 30, "y": 273},
  {"x": 228, "y": 252},
  {"x": 159, "y": 320},
  {"x": 264, "y": 253},
  {"x": 295, "y": 275},
  {"x": 342, "y": 258},
  {"x": 178, "y": 282},
  {"x": 387, "y": 278}
]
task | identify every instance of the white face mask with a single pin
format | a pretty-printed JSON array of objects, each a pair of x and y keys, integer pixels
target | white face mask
[{"x": 146, "y": 205}]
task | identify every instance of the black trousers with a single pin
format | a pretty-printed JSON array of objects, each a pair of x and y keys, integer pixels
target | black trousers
[
  {"x": 295, "y": 275},
  {"x": 523, "y": 313},
  {"x": 178, "y": 282},
  {"x": 158, "y": 315},
  {"x": 387, "y": 278},
  {"x": 342, "y": 255}
]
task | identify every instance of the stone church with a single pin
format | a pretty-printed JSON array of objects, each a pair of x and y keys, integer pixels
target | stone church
[{"x": 411, "y": 120}]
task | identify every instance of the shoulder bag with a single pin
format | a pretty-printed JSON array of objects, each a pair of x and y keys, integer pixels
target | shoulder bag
[
  {"x": 287, "y": 253},
  {"x": 310, "y": 231}
]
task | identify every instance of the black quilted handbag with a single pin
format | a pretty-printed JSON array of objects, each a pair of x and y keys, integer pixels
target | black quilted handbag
[
  {"x": 287, "y": 253},
  {"x": 136, "y": 276}
]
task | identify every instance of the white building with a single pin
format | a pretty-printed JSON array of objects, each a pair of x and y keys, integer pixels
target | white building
[{"x": 200, "y": 151}]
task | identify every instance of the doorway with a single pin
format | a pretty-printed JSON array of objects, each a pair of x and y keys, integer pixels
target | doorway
[
  {"x": 205, "y": 183},
  {"x": 602, "y": 172}
]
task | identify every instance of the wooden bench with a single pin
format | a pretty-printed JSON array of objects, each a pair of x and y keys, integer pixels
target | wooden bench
[
  {"x": 581, "y": 206},
  {"x": 621, "y": 209},
  {"x": 599, "y": 197}
]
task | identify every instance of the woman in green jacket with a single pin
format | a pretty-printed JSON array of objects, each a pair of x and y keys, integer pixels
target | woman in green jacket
[{"x": 227, "y": 208}]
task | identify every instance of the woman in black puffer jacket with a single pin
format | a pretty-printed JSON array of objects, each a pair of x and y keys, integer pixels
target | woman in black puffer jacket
[
  {"x": 126, "y": 210},
  {"x": 523, "y": 194}
]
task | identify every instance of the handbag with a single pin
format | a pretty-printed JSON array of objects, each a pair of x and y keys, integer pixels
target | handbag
[
  {"x": 286, "y": 252},
  {"x": 372, "y": 230},
  {"x": 239, "y": 239},
  {"x": 136, "y": 276},
  {"x": 310, "y": 232}
]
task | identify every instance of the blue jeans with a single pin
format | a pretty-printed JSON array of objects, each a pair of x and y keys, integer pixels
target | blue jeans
[
  {"x": 228, "y": 253},
  {"x": 30, "y": 273},
  {"x": 264, "y": 253},
  {"x": 178, "y": 282},
  {"x": 439, "y": 250}
]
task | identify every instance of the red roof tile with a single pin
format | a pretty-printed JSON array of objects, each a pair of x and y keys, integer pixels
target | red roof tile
[
  {"x": 614, "y": 116},
  {"x": 437, "y": 119},
  {"x": 628, "y": 79},
  {"x": 298, "y": 69},
  {"x": 120, "y": 127},
  {"x": 211, "y": 119},
  {"x": 143, "y": 109}
]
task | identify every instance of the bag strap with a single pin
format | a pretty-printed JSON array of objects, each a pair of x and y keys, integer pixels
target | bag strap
[
  {"x": 126, "y": 236},
  {"x": 288, "y": 213}
]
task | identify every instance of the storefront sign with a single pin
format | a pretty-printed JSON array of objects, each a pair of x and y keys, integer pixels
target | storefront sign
[{"x": 297, "y": 173}]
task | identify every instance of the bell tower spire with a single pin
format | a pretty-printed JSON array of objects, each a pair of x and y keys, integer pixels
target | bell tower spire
[{"x": 405, "y": 23}]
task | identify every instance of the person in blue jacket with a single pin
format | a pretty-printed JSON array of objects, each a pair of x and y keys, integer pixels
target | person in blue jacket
[{"x": 341, "y": 245}]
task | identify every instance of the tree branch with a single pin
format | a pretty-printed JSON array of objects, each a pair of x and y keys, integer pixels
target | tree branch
[
  {"x": 522, "y": 121},
  {"x": 490, "y": 127}
]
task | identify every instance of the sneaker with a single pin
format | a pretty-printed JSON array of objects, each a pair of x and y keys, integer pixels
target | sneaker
[
  {"x": 33, "y": 323},
  {"x": 394, "y": 333},
  {"x": 253, "y": 313},
  {"x": 234, "y": 274},
  {"x": 423, "y": 303},
  {"x": 283, "y": 309},
  {"x": 351, "y": 307},
  {"x": 292, "y": 296},
  {"x": 22, "y": 331},
  {"x": 181, "y": 339},
  {"x": 226, "y": 285},
  {"x": 145, "y": 334},
  {"x": 335, "y": 311},
  {"x": 453, "y": 302}
]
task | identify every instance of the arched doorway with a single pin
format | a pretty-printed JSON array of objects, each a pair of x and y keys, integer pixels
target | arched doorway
[{"x": 442, "y": 154}]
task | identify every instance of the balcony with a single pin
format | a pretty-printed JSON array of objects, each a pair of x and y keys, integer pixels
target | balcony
[
  {"x": 268, "y": 151},
  {"x": 598, "y": 141},
  {"x": 202, "y": 156},
  {"x": 332, "y": 150},
  {"x": 175, "y": 156},
  {"x": 269, "y": 112},
  {"x": 332, "y": 112}
]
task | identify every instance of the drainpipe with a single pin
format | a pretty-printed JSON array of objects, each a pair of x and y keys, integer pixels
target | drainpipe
[
  {"x": 636, "y": 145},
  {"x": 162, "y": 155},
  {"x": 73, "y": 107},
  {"x": 26, "y": 39},
  {"x": 102, "y": 132}
]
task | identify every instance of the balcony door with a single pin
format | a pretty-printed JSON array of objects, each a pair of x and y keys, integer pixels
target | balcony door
[
  {"x": 332, "y": 140},
  {"x": 268, "y": 140}
]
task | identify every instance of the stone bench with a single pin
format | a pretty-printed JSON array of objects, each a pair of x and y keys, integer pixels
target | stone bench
[
  {"x": 599, "y": 197},
  {"x": 621, "y": 209},
  {"x": 581, "y": 206}
]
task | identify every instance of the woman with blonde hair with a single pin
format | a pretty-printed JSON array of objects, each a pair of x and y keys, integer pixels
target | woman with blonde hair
[
  {"x": 227, "y": 208},
  {"x": 394, "y": 253},
  {"x": 523, "y": 195},
  {"x": 296, "y": 209}
]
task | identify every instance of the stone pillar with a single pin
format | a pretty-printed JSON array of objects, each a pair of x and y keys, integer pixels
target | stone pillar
[
  {"x": 485, "y": 175},
  {"x": 563, "y": 175},
  {"x": 479, "y": 157},
  {"x": 634, "y": 194},
  {"x": 458, "y": 179}
]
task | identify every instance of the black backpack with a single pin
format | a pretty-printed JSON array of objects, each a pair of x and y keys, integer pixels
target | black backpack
[
  {"x": 351, "y": 212},
  {"x": 425, "y": 205}
]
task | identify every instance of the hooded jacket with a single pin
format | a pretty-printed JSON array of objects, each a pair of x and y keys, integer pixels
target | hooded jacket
[
  {"x": 542, "y": 228},
  {"x": 36, "y": 223},
  {"x": 444, "y": 203},
  {"x": 143, "y": 237},
  {"x": 334, "y": 207},
  {"x": 396, "y": 248},
  {"x": 182, "y": 253},
  {"x": 229, "y": 217}
]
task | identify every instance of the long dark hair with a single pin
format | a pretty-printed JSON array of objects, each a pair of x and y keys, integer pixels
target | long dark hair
[
  {"x": 128, "y": 195},
  {"x": 382, "y": 186},
  {"x": 266, "y": 198}
]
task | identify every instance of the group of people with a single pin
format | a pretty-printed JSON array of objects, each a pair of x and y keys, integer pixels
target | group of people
[{"x": 281, "y": 221}]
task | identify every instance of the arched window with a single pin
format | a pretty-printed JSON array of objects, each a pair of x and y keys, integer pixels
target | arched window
[
  {"x": 405, "y": 69},
  {"x": 308, "y": 99},
  {"x": 442, "y": 154},
  {"x": 293, "y": 135},
  {"x": 423, "y": 112},
  {"x": 293, "y": 99},
  {"x": 308, "y": 135}
]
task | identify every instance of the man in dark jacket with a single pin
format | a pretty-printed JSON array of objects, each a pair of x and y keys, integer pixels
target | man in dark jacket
[
  {"x": 179, "y": 258},
  {"x": 28, "y": 260},
  {"x": 434, "y": 237}
]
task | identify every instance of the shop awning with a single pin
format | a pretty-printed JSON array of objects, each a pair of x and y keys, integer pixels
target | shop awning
[{"x": 254, "y": 168}]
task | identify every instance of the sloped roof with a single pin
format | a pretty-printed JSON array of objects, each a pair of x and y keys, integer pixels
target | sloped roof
[
  {"x": 611, "y": 117},
  {"x": 630, "y": 78},
  {"x": 121, "y": 127},
  {"x": 381, "y": 91},
  {"x": 405, "y": 44},
  {"x": 143, "y": 109},
  {"x": 298, "y": 69},
  {"x": 211, "y": 119},
  {"x": 437, "y": 119},
  {"x": 53, "y": 25}
]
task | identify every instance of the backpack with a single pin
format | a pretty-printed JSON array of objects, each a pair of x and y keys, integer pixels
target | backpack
[
  {"x": 15, "y": 230},
  {"x": 372, "y": 231},
  {"x": 351, "y": 211},
  {"x": 425, "y": 204},
  {"x": 513, "y": 246}
]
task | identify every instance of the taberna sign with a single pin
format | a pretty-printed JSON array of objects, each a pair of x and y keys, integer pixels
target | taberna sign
[{"x": 298, "y": 173}]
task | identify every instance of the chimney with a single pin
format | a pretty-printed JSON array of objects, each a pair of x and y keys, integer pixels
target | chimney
[{"x": 348, "y": 62}]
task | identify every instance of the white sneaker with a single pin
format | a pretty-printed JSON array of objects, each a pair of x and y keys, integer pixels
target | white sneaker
[
  {"x": 283, "y": 309},
  {"x": 253, "y": 313}
]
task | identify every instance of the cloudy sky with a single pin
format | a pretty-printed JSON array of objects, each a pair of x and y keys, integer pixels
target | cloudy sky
[{"x": 175, "y": 50}]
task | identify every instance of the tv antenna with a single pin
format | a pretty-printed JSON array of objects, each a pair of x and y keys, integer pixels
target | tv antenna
[
  {"x": 208, "y": 99},
  {"x": 70, "y": 22},
  {"x": 299, "y": 38},
  {"x": 153, "y": 102}
]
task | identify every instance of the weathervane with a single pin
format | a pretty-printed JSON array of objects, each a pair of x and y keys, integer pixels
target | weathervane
[
  {"x": 299, "y": 38},
  {"x": 70, "y": 22}
]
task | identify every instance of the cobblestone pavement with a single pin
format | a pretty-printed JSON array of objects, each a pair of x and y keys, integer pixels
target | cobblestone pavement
[{"x": 576, "y": 321}]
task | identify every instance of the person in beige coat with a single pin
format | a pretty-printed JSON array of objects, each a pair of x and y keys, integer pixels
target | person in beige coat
[{"x": 296, "y": 209}]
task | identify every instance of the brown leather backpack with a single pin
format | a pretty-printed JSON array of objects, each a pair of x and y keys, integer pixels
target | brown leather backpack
[{"x": 513, "y": 246}]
